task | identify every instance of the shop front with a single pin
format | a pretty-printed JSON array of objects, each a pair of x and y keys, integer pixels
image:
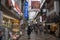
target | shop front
[
  {"x": 10, "y": 17},
  {"x": 11, "y": 14},
  {"x": 16, "y": 25},
  {"x": 54, "y": 23},
  {"x": 10, "y": 22}
]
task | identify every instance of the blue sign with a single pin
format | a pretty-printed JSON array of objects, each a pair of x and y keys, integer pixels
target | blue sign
[{"x": 26, "y": 9}]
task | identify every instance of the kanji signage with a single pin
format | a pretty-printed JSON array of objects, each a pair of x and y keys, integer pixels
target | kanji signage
[{"x": 26, "y": 9}]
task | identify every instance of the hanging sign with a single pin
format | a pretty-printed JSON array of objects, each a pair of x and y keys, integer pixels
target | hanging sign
[
  {"x": 26, "y": 9},
  {"x": 35, "y": 5}
]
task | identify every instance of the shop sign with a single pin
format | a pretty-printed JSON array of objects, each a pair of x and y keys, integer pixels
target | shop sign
[
  {"x": 16, "y": 7},
  {"x": 21, "y": 22},
  {"x": 40, "y": 18},
  {"x": 26, "y": 9},
  {"x": 44, "y": 17},
  {"x": 11, "y": 3},
  {"x": 35, "y": 5},
  {"x": 44, "y": 10}
]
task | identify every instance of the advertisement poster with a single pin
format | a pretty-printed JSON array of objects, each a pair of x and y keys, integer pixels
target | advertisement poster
[{"x": 35, "y": 4}]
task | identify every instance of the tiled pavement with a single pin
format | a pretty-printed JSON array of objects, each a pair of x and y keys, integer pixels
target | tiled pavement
[{"x": 38, "y": 37}]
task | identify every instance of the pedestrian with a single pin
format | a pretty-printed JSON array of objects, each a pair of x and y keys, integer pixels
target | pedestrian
[
  {"x": 36, "y": 29},
  {"x": 10, "y": 35},
  {"x": 1, "y": 35},
  {"x": 41, "y": 29},
  {"x": 29, "y": 30}
]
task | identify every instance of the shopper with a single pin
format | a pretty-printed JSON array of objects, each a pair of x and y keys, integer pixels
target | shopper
[
  {"x": 0, "y": 35},
  {"x": 36, "y": 29},
  {"x": 29, "y": 30},
  {"x": 41, "y": 29}
]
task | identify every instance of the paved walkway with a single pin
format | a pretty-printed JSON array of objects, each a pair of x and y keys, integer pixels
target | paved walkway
[{"x": 38, "y": 37}]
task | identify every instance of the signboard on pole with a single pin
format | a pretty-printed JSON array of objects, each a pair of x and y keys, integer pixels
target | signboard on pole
[{"x": 26, "y": 10}]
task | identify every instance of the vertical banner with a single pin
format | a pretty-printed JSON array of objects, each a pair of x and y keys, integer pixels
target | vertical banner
[{"x": 26, "y": 10}]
